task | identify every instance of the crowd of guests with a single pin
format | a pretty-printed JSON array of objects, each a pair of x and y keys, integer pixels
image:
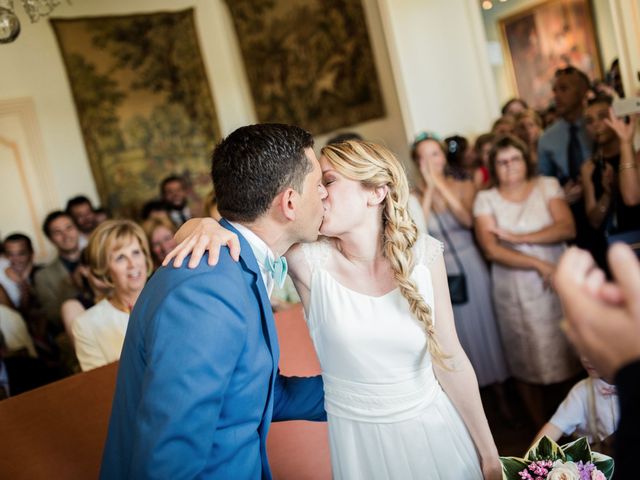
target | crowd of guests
[
  {"x": 505, "y": 206},
  {"x": 72, "y": 313}
]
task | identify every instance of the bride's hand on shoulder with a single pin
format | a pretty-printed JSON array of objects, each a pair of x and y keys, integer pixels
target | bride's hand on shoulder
[{"x": 198, "y": 236}]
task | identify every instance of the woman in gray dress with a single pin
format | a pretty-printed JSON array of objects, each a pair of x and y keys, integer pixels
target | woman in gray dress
[{"x": 446, "y": 205}]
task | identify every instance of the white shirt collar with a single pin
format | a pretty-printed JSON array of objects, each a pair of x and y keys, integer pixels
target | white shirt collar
[{"x": 261, "y": 251}]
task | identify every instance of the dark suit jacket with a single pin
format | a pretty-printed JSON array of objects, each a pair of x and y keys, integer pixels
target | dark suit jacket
[
  {"x": 198, "y": 384},
  {"x": 627, "y": 442}
]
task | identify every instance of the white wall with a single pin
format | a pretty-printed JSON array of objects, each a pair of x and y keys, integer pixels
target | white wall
[{"x": 440, "y": 65}]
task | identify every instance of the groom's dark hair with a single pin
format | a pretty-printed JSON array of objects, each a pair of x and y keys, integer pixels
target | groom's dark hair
[{"x": 255, "y": 163}]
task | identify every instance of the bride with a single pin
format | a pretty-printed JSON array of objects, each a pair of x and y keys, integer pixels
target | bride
[{"x": 401, "y": 397}]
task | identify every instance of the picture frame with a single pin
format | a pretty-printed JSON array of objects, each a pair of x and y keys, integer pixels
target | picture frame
[
  {"x": 543, "y": 38},
  {"x": 144, "y": 104}
]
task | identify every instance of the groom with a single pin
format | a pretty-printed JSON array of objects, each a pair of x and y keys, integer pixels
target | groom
[{"x": 198, "y": 382}]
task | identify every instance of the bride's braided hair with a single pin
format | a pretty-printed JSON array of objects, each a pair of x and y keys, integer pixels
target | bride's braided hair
[{"x": 375, "y": 166}]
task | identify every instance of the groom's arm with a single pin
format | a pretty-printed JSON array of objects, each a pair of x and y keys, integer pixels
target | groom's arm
[
  {"x": 197, "y": 337},
  {"x": 299, "y": 398}
]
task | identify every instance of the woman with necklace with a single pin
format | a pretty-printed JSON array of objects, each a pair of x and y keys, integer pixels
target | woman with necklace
[{"x": 119, "y": 257}]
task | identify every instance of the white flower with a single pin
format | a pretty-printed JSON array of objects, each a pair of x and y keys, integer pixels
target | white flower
[
  {"x": 564, "y": 471},
  {"x": 597, "y": 475}
]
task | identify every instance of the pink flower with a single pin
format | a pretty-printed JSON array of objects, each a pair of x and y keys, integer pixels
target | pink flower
[{"x": 597, "y": 475}]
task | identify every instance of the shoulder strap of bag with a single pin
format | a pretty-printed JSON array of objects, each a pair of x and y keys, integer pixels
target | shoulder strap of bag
[{"x": 449, "y": 243}]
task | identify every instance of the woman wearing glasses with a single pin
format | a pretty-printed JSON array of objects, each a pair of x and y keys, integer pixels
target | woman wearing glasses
[
  {"x": 522, "y": 224},
  {"x": 446, "y": 204}
]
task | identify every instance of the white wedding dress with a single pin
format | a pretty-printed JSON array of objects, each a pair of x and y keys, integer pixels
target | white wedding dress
[{"x": 388, "y": 416}]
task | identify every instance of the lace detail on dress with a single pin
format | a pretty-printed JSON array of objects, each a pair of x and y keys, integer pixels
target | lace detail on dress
[
  {"x": 427, "y": 249},
  {"x": 316, "y": 253}
]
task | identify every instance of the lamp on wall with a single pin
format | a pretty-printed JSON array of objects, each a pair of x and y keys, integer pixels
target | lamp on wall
[
  {"x": 488, "y": 4},
  {"x": 9, "y": 22}
]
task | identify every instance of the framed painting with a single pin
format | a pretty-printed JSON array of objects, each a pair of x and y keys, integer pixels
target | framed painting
[
  {"x": 550, "y": 35},
  {"x": 308, "y": 62},
  {"x": 143, "y": 102}
]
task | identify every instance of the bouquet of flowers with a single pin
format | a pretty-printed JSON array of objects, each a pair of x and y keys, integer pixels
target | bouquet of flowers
[{"x": 546, "y": 460}]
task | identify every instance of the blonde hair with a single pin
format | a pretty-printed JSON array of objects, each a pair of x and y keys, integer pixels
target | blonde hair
[
  {"x": 111, "y": 235},
  {"x": 375, "y": 166},
  {"x": 150, "y": 224}
]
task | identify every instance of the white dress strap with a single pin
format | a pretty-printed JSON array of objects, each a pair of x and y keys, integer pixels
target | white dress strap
[
  {"x": 316, "y": 253},
  {"x": 427, "y": 249}
]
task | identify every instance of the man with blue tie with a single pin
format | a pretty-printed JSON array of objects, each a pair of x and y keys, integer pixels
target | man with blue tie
[
  {"x": 198, "y": 383},
  {"x": 564, "y": 146}
]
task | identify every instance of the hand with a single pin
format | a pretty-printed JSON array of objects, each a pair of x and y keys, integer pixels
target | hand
[
  {"x": 607, "y": 178},
  {"x": 624, "y": 130},
  {"x": 572, "y": 191},
  {"x": 425, "y": 172},
  {"x": 602, "y": 318},
  {"x": 507, "y": 236},
  {"x": 492, "y": 469},
  {"x": 546, "y": 271},
  {"x": 206, "y": 235}
]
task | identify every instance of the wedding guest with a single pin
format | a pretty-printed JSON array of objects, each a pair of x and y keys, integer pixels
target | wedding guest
[
  {"x": 160, "y": 234},
  {"x": 174, "y": 194},
  {"x": 590, "y": 410},
  {"x": 505, "y": 125},
  {"x": 482, "y": 147},
  {"x": 446, "y": 206},
  {"x": 521, "y": 225},
  {"x": 15, "y": 333},
  {"x": 528, "y": 129},
  {"x": 17, "y": 277},
  {"x": 154, "y": 209},
  {"x": 461, "y": 161},
  {"x": 564, "y": 146},
  {"x": 549, "y": 115},
  {"x": 613, "y": 154},
  {"x": 91, "y": 289},
  {"x": 514, "y": 106},
  {"x": 603, "y": 322},
  {"x": 54, "y": 283},
  {"x": 81, "y": 211},
  {"x": 101, "y": 214},
  {"x": 119, "y": 257}
]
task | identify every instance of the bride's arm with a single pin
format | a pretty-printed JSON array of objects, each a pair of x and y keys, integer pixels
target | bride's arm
[
  {"x": 460, "y": 383},
  {"x": 199, "y": 235}
]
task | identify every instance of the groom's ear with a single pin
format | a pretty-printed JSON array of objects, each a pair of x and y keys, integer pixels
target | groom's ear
[{"x": 287, "y": 202}]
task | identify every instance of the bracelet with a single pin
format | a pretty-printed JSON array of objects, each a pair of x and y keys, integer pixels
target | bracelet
[{"x": 626, "y": 166}]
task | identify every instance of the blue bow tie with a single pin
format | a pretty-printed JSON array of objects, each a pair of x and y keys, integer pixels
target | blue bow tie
[{"x": 277, "y": 269}]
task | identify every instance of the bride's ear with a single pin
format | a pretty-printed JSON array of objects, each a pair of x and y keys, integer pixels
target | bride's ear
[{"x": 377, "y": 195}]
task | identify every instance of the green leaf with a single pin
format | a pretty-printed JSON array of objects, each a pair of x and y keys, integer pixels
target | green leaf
[
  {"x": 545, "y": 449},
  {"x": 511, "y": 466},
  {"x": 603, "y": 463},
  {"x": 577, "y": 450}
]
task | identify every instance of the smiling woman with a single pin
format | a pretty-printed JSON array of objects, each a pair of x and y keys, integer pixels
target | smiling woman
[{"x": 119, "y": 257}]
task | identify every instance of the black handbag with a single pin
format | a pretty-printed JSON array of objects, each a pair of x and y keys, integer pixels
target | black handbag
[{"x": 458, "y": 282}]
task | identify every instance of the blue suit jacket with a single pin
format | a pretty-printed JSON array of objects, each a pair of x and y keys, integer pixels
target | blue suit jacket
[{"x": 198, "y": 384}]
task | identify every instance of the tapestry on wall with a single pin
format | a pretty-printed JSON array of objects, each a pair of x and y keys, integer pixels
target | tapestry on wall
[
  {"x": 143, "y": 102},
  {"x": 309, "y": 62}
]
